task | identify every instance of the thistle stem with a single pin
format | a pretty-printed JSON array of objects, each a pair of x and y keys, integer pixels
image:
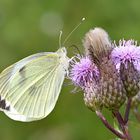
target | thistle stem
[
  {"x": 105, "y": 122},
  {"x": 122, "y": 124},
  {"x": 119, "y": 117},
  {"x": 127, "y": 111}
]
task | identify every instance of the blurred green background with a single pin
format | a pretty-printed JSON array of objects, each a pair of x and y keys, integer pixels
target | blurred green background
[{"x": 31, "y": 26}]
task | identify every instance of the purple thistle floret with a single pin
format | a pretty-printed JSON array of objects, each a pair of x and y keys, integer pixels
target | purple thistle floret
[
  {"x": 83, "y": 72},
  {"x": 126, "y": 51}
]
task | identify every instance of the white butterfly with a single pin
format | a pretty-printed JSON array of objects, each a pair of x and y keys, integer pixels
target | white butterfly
[{"x": 30, "y": 88}]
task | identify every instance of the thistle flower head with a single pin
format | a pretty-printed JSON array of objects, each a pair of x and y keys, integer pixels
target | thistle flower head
[
  {"x": 83, "y": 72},
  {"x": 127, "y": 60},
  {"x": 97, "y": 44},
  {"x": 126, "y": 51}
]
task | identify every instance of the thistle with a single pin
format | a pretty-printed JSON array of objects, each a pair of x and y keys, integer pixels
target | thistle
[
  {"x": 126, "y": 57},
  {"x": 108, "y": 75}
]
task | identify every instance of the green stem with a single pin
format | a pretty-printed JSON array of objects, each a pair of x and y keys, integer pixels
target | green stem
[
  {"x": 127, "y": 111},
  {"x": 105, "y": 122},
  {"x": 122, "y": 124}
]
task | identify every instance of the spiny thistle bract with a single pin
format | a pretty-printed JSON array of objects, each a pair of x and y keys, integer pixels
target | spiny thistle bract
[{"x": 135, "y": 101}]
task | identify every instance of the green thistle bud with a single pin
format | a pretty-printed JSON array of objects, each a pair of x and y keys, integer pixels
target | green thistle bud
[
  {"x": 130, "y": 77},
  {"x": 112, "y": 89}
]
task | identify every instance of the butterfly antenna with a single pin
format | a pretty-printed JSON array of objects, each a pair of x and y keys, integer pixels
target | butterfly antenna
[
  {"x": 60, "y": 39},
  {"x": 83, "y": 19},
  {"x": 74, "y": 46}
]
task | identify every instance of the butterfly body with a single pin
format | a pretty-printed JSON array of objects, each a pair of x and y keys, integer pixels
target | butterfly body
[{"x": 30, "y": 88}]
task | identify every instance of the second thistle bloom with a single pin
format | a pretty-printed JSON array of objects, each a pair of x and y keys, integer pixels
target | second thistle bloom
[
  {"x": 126, "y": 57},
  {"x": 126, "y": 51}
]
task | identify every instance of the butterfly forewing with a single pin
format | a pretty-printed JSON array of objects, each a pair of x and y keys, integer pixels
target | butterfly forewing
[{"x": 30, "y": 87}]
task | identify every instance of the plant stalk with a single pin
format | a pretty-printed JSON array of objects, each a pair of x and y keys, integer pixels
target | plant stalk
[
  {"x": 127, "y": 111},
  {"x": 105, "y": 122},
  {"x": 122, "y": 124}
]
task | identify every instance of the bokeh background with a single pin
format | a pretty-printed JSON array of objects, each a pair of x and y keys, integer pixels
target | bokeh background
[{"x": 31, "y": 26}]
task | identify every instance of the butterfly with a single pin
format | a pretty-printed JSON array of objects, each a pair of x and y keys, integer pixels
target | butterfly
[{"x": 29, "y": 89}]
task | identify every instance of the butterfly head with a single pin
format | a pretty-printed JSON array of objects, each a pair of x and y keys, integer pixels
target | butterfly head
[{"x": 62, "y": 51}]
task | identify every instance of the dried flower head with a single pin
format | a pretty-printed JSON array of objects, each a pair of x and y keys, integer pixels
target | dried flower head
[
  {"x": 127, "y": 60},
  {"x": 97, "y": 44}
]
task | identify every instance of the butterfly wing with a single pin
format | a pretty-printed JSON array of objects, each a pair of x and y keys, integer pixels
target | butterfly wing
[{"x": 30, "y": 88}]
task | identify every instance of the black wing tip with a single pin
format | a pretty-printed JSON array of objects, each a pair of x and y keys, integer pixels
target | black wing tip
[{"x": 3, "y": 104}]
